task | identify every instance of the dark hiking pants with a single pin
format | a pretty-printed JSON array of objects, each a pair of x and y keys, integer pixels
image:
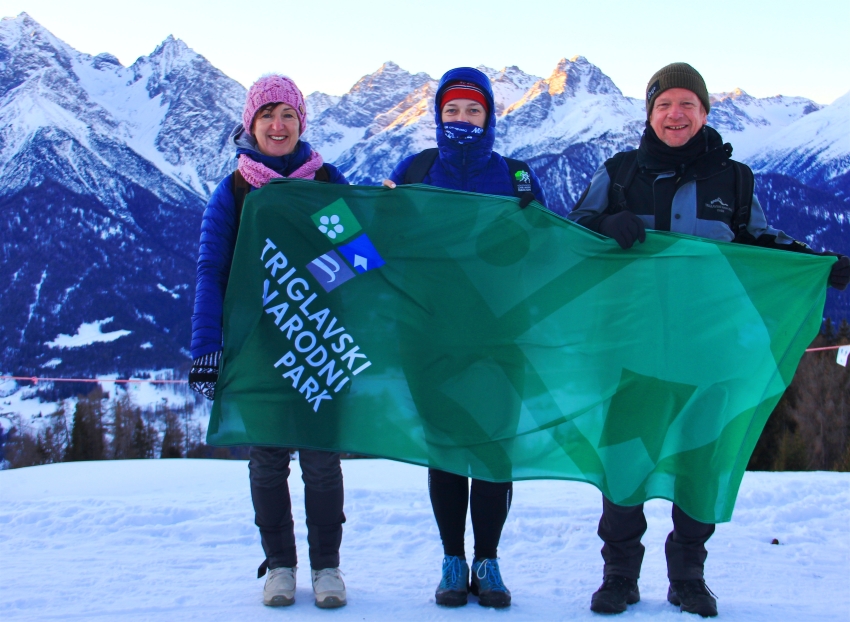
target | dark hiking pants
[
  {"x": 488, "y": 502},
  {"x": 621, "y": 528},
  {"x": 323, "y": 499}
]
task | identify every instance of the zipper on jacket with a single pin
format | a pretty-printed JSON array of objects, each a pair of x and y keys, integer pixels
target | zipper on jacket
[{"x": 463, "y": 167}]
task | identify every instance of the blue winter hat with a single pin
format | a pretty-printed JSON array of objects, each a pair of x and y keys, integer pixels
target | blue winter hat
[{"x": 466, "y": 74}]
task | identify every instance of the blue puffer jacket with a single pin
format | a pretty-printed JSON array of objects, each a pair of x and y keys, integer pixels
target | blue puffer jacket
[
  {"x": 474, "y": 167},
  {"x": 215, "y": 253}
]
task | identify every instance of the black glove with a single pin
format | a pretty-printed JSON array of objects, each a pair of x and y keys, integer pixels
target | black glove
[
  {"x": 525, "y": 198},
  {"x": 204, "y": 374},
  {"x": 839, "y": 276},
  {"x": 624, "y": 227}
]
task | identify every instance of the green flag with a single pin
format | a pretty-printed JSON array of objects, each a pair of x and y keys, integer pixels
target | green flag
[{"x": 458, "y": 331}]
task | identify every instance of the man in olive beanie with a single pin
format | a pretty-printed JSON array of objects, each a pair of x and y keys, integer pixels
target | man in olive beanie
[
  {"x": 682, "y": 179},
  {"x": 676, "y": 75}
]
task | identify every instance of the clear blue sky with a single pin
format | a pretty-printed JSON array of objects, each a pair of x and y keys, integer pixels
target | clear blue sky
[{"x": 764, "y": 47}]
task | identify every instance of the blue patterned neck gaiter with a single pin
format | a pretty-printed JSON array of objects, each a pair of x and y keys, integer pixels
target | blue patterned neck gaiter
[{"x": 462, "y": 133}]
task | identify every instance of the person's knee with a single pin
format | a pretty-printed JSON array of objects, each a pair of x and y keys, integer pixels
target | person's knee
[
  {"x": 687, "y": 528},
  {"x": 491, "y": 489},
  {"x": 268, "y": 466},
  {"x": 320, "y": 470}
]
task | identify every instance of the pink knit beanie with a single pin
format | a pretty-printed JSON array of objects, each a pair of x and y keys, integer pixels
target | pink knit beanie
[{"x": 274, "y": 89}]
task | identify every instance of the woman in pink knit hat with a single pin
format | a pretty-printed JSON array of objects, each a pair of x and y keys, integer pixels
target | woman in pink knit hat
[{"x": 268, "y": 145}]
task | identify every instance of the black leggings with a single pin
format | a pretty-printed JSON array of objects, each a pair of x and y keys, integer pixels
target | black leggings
[{"x": 489, "y": 504}]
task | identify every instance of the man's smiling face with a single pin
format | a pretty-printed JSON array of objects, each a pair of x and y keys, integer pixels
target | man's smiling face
[{"x": 677, "y": 116}]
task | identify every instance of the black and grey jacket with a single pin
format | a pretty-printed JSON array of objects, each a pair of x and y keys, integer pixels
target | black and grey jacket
[{"x": 698, "y": 198}]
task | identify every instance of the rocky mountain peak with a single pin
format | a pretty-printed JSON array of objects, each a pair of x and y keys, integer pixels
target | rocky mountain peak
[
  {"x": 31, "y": 46},
  {"x": 22, "y": 25},
  {"x": 169, "y": 56},
  {"x": 737, "y": 94},
  {"x": 573, "y": 77}
]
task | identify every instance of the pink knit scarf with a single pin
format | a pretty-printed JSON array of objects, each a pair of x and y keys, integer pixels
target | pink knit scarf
[{"x": 258, "y": 175}]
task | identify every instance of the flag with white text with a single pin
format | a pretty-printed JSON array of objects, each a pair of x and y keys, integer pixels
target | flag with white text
[{"x": 458, "y": 331}]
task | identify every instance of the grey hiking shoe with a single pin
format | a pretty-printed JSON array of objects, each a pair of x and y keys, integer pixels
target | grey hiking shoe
[
  {"x": 328, "y": 588},
  {"x": 693, "y": 596},
  {"x": 615, "y": 594},
  {"x": 279, "y": 590}
]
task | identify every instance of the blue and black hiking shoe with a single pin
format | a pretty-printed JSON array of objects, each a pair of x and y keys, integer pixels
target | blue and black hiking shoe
[
  {"x": 487, "y": 584},
  {"x": 454, "y": 586}
]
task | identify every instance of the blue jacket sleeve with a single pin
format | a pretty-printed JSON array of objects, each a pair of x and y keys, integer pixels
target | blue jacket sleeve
[
  {"x": 401, "y": 168},
  {"x": 215, "y": 254},
  {"x": 590, "y": 209},
  {"x": 335, "y": 176},
  {"x": 760, "y": 233}
]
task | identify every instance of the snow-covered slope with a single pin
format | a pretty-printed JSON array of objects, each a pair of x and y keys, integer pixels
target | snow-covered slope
[
  {"x": 370, "y": 106},
  {"x": 104, "y": 171},
  {"x": 175, "y": 540},
  {"x": 748, "y": 122},
  {"x": 172, "y": 108},
  {"x": 815, "y": 149}
]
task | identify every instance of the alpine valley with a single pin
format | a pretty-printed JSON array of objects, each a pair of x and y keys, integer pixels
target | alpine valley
[{"x": 105, "y": 171}]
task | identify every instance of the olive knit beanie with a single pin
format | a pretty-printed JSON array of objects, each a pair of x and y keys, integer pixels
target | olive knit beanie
[
  {"x": 274, "y": 89},
  {"x": 676, "y": 75}
]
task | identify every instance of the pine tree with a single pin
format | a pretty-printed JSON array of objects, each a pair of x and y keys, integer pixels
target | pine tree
[
  {"x": 87, "y": 433},
  {"x": 144, "y": 439},
  {"x": 844, "y": 331},
  {"x": 172, "y": 441},
  {"x": 124, "y": 417},
  {"x": 828, "y": 330}
]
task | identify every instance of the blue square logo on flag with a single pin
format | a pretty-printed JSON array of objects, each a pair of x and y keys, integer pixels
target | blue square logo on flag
[
  {"x": 330, "y": 270},
  {"x": 361, "y": 254}
]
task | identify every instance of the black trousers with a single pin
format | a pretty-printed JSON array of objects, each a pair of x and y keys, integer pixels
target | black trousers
[
  {"x": 621, "y": 528},
  {"x": 323, "y": 500},
  {"x": 488, "y": 502}
]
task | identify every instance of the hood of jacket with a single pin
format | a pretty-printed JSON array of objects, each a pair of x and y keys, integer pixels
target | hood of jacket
[{"x": 470, "y": 159}]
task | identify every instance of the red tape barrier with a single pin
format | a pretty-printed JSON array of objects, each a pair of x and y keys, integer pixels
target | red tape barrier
[{"x": 36, "y": 380}]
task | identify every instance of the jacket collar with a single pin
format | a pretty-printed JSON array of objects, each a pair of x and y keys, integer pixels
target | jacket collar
[{"x": 704, "y": 165}]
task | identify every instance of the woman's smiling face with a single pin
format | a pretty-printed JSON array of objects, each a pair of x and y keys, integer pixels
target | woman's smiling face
[{"x": 276, "y": 129}]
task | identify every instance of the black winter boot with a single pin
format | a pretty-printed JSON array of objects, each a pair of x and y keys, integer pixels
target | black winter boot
[
  {"x": 615, "y": 594},
  {"x": 693, "y": 596}
]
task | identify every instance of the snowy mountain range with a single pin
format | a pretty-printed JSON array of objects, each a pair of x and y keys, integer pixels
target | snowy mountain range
[{"x": 105, "y": 170}]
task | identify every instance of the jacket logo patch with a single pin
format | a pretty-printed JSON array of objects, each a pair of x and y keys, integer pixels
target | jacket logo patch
[
  {"x": 523, "y": 181},
  {"x": 719, "y": 206}
]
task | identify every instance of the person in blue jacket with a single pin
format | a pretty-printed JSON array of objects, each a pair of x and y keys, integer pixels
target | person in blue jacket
[
  {"x": 465, "y": 160},
  {"x": 268, "y": 146}
]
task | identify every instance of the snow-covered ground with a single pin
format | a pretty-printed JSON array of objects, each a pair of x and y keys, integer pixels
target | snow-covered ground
[{"x": 175, "y": 540}]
